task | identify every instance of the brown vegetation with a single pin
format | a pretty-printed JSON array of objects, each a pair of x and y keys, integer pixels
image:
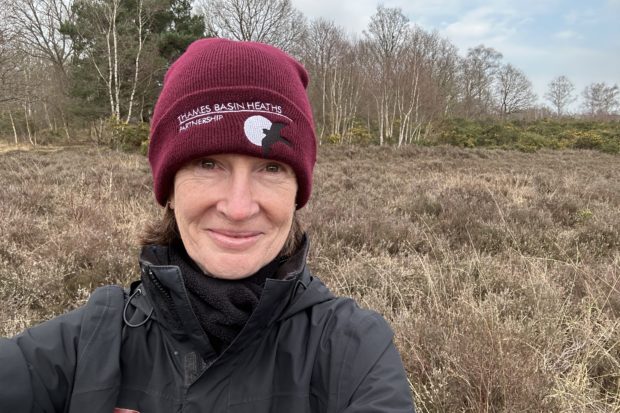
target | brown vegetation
[{"x": 499, "y": 271}]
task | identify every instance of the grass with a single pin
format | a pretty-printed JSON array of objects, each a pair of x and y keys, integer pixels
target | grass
[{"x": 498, "y": 270}]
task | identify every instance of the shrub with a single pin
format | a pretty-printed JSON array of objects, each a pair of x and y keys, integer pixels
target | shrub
[
  {"x": 588, "y": 140},
  {"x": 129, "y": 137},
  {"x": 333, "y": 138},
  {"x": 144, "y": 147},
  {"x": 531, "y": 142},
  {"x": 50, "y": 136},
  {"x": 611, "y": 146},
  {"x": 498, "y": 135},
  {"x": 459, "y": 132},
  {"x": 530, "y": 136},
  {"x": 359, "y": 134}
]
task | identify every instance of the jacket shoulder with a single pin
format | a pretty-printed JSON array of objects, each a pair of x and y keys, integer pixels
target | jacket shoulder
[
  {"x": 342, "y": 313},
  {"x": 67, "y": 355},
  {"x": 98, "y": 377},
  {"x": 344, "y": 316},
  {"x": 359, "y": 366}
]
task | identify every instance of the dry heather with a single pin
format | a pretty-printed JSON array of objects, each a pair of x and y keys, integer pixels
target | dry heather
[{"x": 499, "y": 271}]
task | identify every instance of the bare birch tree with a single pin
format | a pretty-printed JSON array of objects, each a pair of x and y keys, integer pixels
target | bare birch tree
[
  {"x": 560, "y": 94},
  {"x": 344, "y": 86},
  {"x": 386, "y": 35},
  {"x": 601, "y": 99},
  {"x": 275, "y": 22},
  {"x": 407, "y": 96},
  {"x": 140, "y": 23},
  {"x": 112, "y": 37},
  {"x": 440, "y": 88},
  {"x": 514, "y": 90},
  {"x": 95, "y": 32},
  {"x": 478, "y": 71},
  {"x": 39, "y": 23},
  {"x": 9, "y": 56},
  {"x": 323, "y": 44},
  {"x": 10, "y": 84}
]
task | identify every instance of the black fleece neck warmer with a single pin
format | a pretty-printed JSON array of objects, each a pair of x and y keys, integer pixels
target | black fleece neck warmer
[{"x": 222, "y": 306}]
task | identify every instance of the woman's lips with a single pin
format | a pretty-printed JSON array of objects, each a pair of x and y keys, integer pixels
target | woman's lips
[{"x": 237, "y": 240}]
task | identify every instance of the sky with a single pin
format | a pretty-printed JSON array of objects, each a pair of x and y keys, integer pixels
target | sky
[{"x": 544, "y": 38}]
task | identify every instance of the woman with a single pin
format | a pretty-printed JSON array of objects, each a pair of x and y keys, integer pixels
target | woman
[{"x": 226, "y": 316}]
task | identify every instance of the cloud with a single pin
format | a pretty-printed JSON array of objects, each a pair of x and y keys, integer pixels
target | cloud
[
  {"x": 567, "y": 35},
  {"x": 428, "y": 9},
  {"x": 571, "y": 17},
  {"x": 486, "y": 25},
  {"x": 353, "y": 16},
  {"x": 469, "y": 28},
  {"x": 587, "y": 16}
]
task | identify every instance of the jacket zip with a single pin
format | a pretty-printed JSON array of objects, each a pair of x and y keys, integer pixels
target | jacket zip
[{"x": 162, "y": 289}]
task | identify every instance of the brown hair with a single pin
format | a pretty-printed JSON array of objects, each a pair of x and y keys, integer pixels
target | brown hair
[{"x": 165, "y": 231}]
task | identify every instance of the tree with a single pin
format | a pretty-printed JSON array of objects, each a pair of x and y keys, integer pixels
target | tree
[
  {"x": 38, "y": 23},
  {"x": 9, "y": 56},
  {"x": 324, "y": 44},
  {"x": 46, "y": 53},
  {"x": 10, "y": 85},
  {"x": 440, "y": 86},
  {"x": 177, "y": 28},
  {"x": 601, "y": 99},
  {"x": 275, "y": 22},
  {"x": 560, "y": 94},
  {"x": 514, "y": 90},
  {"x": 129, "y": 44},
  {"x": 388, "y": 29},
  {"x": 478, "y": 72},
  {"x": 387, "y": 34}
]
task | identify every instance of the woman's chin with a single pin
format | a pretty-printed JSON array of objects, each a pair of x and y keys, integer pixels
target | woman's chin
[{"x": 231, "y": 269}]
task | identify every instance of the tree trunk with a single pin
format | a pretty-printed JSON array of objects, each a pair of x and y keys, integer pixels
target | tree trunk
[
  {"x": 13, "y": 125},
  {"x": 323, "y": 99},
  {"x": 65, "y": 125},
  {"x": 117, "y": 86},
  {"x": 110, "y": 76},
  {"x": 28, "y": 124},
  {"x": 47, "y": 117},
  {"x": 380, "y": 108},
  {"x": 137, "y": 65}
]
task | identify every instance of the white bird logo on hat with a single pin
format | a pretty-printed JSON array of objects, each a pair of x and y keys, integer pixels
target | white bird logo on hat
[{"x": 262, "y": 132}]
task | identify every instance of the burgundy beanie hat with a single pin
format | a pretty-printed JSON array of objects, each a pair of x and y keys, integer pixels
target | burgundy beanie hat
[{"x": 225, "y": 96}]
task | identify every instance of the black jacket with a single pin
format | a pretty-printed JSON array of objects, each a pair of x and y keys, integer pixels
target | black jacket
[{"x": 302, "y": 350}]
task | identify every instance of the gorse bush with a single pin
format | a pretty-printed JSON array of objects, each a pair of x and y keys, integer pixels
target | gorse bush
[
  {"x": 499, "y": 271},
  {"x": 119, "y": 135},
  {"x": 530, "y": 136},
  {"x": 130, "y": 137}
]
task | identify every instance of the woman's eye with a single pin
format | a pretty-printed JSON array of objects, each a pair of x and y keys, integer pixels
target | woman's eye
[
  {"x": 207, "y": 164},
  {"x": 273, "y": 167}
]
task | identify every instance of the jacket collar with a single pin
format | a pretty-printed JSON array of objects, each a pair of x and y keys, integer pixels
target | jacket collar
[{"x": 166, "y": 290}]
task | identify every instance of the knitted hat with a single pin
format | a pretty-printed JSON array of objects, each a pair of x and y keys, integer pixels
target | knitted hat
[{"x": 224, "y": 96}]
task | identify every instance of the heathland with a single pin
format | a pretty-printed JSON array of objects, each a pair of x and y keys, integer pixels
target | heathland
[{"x": 498, "y": 270}]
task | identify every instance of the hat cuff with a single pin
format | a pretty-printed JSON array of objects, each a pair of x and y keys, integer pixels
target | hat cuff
[{"x": 213, "y": 121}]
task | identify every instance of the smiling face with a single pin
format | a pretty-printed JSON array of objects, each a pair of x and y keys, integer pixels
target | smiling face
[{"x": 234, "y": 212}]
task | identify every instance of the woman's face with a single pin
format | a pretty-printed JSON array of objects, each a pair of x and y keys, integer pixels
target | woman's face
[{"x": 234, "y": 212}]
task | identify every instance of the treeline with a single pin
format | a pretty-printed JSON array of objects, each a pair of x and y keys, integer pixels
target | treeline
[{"x": 91, "y": 69}]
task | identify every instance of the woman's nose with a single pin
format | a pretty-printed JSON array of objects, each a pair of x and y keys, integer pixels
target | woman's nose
[{"x": 237, "y": 202}]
